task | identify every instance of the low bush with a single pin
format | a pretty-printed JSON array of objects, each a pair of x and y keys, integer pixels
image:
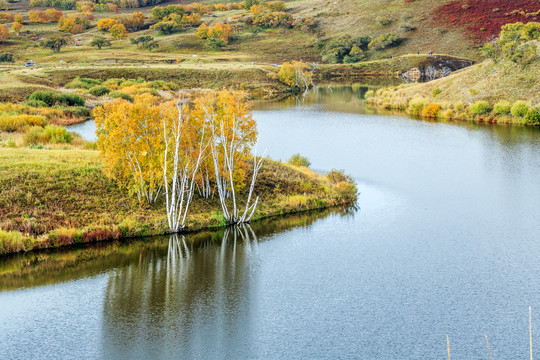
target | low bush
[
  {"x": 130, "y": 227},
  {"x": 37, "y": 103},
  {"x": 385, "y": 41},
  {"x": 51, "y": 134},
  {"x": 11, "y": 242},
  {"x": 416, "y": 105},
  {"x": 299, "y": 160},
  {"x": 34, "y": 135},
  {"x": 68, "y": 99},
  {"x": 431, "y": 111},
  {"x": 383, "y": 21},
  {"x": 502, "y": 108},
  {"x": 369, "y": 94},
  {"x": 533, "y": 116},
  {"x": 7, "y": 58},
  {"x": 65, "y": 236},
  {"x": 436, "y": 92},
  {"x": 82, "y": 83},
  {"x": 346, "y": 190},
  {"x": 99, "y": 90},
  {"x": 51, "y": 98},
  {"x": 46, "y": 97},
  {"x": 459, "y": 106},
  {"x": 20, "y": 122},
  {"x": 480, "y": 108},
  {"x": 121, "y": 95},
  {"x": 337, "y": 176},
  {"x": 520, "y": 108},
  {"x": 74, "y": 111}
]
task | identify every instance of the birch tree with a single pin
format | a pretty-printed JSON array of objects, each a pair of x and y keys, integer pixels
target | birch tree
[
  {"x": 296, "y": 74},
  {"x": 130, "y": 143},
  {"x": 233, "y": 135},
  {"x": 186, "y": 141}
]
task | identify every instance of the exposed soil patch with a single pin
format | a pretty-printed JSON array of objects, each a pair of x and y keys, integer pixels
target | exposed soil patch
[{"x": 483, "y": 19}]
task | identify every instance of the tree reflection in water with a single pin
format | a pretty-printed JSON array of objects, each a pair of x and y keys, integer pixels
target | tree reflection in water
[{"x": 177, "y": 303}]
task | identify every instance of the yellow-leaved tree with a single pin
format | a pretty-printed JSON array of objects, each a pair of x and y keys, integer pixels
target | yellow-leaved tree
[
  {"x": 296, "y": 74},
  {"x": 234, "y": 135},
  {"x": 131, "y": 142},
  {"x": 155, "y": 147}
]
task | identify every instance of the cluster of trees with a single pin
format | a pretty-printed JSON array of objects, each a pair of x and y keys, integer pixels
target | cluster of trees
[
  {"x": 146, "y": 42},
  {"x": 75, "y": 23},
  {"x": 9, "y": 18},
  {"x": 174, "y": 18},
  {"x": 346, "y": 50},
  {"x": 349, "y": 50},
  {"x": 160, "y": 12},
  {"x": 216, "y": 36},
  {"x": 385, "y": 41},
  {"x": 119, "y": 27},
  {"x": 112, "y": 8},
  {"x": 59, "y": 4},
  {"x": 175, "y": 23},
  {"x": 272, "y": 14},
  {"x": 162, "y": 149},
  {"x": 515, "y": 43},
  {"x": 41, "y": 17}
]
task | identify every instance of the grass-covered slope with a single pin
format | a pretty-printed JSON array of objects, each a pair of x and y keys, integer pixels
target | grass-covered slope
[
  {"x": 487, "y": 82},
  {"x": 503, "y": 88},
  {"x": 484, "y": 81},
  {"x": 51, "y": 198},
  {"x": 453, "y": 27}
]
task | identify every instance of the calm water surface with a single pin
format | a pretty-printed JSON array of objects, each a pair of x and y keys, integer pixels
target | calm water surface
[{"x": 446, "y": 240}]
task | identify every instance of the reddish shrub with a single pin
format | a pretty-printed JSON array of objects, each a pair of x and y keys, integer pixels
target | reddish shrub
[
  {"x": 100, "y": 235},
  {"x": 483, "y": 19}
]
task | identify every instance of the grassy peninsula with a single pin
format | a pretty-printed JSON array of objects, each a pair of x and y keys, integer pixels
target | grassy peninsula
[{"x": 52, "y": 198}]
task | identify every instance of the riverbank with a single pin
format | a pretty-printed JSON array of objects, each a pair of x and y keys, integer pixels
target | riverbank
[
  {"x": 501, "y": 92},
  {"x": 53, "y": 198},
  {"x": 49, "y": 266}
]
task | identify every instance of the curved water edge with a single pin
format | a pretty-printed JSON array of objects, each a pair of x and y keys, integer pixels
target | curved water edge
[{"x": 445, "y": 243}]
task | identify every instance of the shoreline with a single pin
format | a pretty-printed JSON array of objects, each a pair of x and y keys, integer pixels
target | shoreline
[
  {"x": 194, "y": 231},
  {"x": 61, "y": 197},
  {"x": 481, "y": 120}
]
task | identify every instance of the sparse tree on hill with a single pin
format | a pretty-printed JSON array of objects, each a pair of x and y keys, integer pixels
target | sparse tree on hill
[
  {"x": 4, "y": 32},
  {"x": 142, "y": 40},
  {"x": 100, "y": 42},
  {"x": 118, "y": 31},
  {"x": 55, "y": 43},
  {"x": 16, "y": 27}
]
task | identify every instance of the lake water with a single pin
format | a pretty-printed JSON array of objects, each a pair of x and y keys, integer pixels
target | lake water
[{"x": 445, "y": 241}]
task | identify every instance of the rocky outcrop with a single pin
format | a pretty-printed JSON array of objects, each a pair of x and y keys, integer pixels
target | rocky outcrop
[{"x": 434, "y": 67}]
